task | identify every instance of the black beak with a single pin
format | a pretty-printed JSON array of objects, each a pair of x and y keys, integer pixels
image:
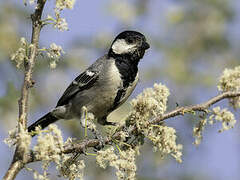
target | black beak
[{"x": 145, "y": 45}]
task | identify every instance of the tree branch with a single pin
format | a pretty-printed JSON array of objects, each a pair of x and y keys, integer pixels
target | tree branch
[
  {"x": 19, "y": 156},
  {"x": 199, "y": 107},
  {"x": 82, "y": 146}
]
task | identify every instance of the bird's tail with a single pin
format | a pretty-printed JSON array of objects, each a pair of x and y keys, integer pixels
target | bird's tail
[{"x": 43, "y": 122}]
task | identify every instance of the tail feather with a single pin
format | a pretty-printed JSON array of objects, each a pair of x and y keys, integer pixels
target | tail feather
[{"x": 43, "y": 122}]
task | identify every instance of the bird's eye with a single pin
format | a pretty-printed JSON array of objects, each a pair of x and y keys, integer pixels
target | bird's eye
[{"x": 130, "y": 40}]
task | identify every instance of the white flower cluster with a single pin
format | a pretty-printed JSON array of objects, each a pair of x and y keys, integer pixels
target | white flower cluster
[
  {"x": 58, "y": 22},
  {"x": 54, "y": 53},
  {"x": 22, "y": 138},
  {"x": 164, "y": 140},
  {"x": 230, "y": 81},
  {"x": 49, "y": 145},
  {"x": 152, "y": 100},
  {"x": 218, "y": 115},
  {"x": 21, "y": 54},
  {"x": 37, "y": 175},
  {"x": 63, "y": 4},
  {"x": 152, "y": 103},
  {"x": 124, "y": 162},
  {"x": 11, "y": 140},
  {"x": 48, "y": 149},
  {"x": 61, "y": 24},
  {"x": 149, "y": 104},
  {"x": 75, "y": 170},
  {"x": 224, "y": 116}
]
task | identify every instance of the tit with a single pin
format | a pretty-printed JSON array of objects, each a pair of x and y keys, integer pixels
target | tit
[{"x": 103, "y": 86}]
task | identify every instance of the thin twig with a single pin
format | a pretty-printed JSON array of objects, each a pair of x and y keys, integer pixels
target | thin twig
[{"x": 19, "y": 155}]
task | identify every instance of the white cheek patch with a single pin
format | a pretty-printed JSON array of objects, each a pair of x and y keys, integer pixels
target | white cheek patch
[
  {"x": 89, "y": 73},
  {"x": 120, "y": 47}
]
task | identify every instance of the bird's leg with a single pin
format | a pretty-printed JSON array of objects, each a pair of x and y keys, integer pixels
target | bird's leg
[
  {"x": 97, "y": 135},
  {"x": 85, "y": 123},
  {"x": 88, "y": 124},
  {"x": 103, "y": 121}
]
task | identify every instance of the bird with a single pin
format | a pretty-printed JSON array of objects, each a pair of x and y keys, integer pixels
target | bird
[{"x": 103, "y": 86}]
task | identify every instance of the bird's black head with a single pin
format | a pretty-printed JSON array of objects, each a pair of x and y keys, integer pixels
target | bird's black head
[{"x": 130, "y": 44}]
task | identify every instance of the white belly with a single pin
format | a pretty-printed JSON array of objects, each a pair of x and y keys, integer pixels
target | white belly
[{"x": 106, "y": 92}]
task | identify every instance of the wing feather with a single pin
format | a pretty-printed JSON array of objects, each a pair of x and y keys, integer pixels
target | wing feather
[{"x": 82, "y": 82}]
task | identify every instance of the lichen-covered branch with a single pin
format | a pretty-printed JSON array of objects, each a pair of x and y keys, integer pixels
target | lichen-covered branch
[{"x": 29, "y": 62}]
